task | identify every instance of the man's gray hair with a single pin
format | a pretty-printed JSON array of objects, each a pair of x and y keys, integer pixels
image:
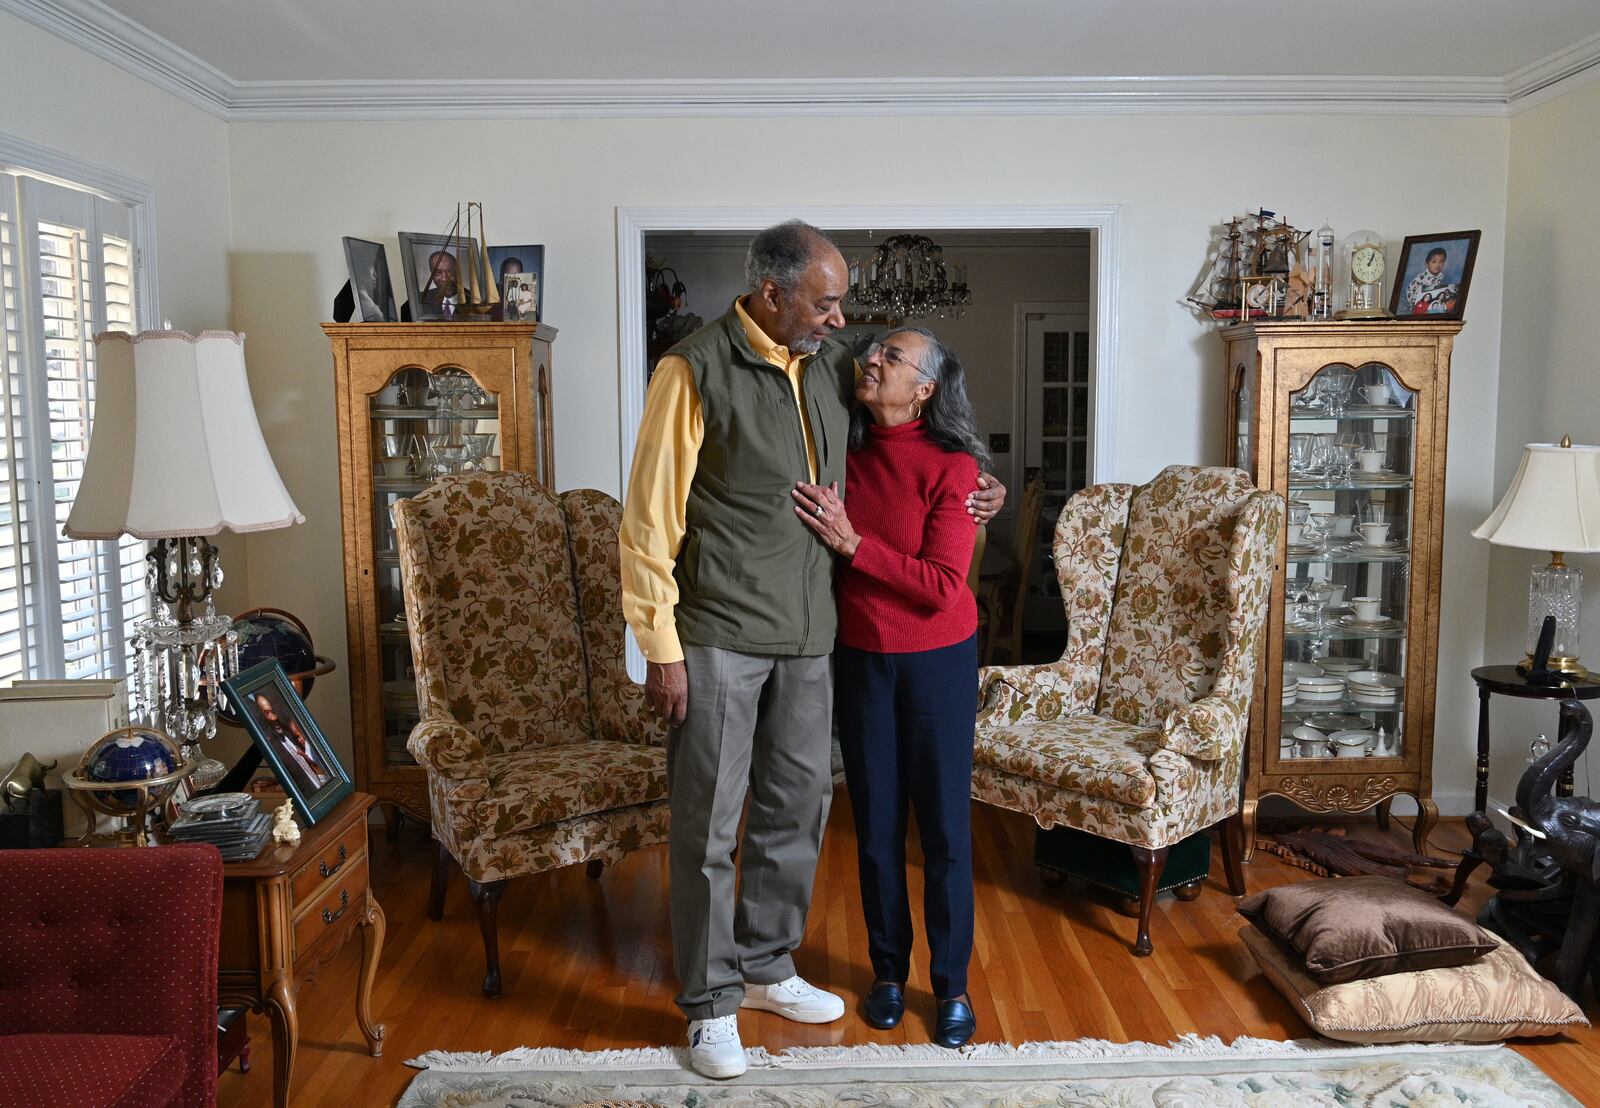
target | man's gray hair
[{"x": 781, "y": 254}]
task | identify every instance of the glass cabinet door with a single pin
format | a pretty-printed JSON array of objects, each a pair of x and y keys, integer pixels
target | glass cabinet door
[
  {"x": 424, "y": 426},
  {"x": 1347, "y": 603},
  {"x": 1244, "y": 413}
]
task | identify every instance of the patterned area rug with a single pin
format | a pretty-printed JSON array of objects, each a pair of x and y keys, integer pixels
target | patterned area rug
[{"x": 1191, "y": 1073}]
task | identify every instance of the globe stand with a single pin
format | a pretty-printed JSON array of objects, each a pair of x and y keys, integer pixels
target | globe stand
[{"x": 131, "y": 800}]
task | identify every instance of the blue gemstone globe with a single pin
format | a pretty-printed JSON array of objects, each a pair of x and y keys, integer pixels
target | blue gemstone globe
[
  {"x": 131, "y": 754},
  {"x": 264, "y": 635}
]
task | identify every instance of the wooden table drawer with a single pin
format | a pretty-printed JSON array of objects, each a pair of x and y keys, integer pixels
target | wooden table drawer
[
  {"x": 344, "y": 897},
  {"x": 336, "y": 858}
]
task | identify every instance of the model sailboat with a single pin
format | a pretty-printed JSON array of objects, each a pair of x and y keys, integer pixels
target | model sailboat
[{"x": 476, "y": 293}]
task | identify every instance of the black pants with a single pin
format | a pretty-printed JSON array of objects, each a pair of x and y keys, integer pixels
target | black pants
[{"x": 905, "y": 728}]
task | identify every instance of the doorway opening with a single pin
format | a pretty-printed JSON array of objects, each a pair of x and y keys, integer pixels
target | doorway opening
[{"x": 1038, "y": 341}]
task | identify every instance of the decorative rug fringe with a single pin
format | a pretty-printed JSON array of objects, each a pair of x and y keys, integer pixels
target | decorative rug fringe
[{"x": 921, "y": 1054}]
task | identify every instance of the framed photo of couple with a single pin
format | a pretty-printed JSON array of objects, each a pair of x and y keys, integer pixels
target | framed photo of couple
[
  {"x": 519, "y": 275},
  {"x": 289, "y": 739}
]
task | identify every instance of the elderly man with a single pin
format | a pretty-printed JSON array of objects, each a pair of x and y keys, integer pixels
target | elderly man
[{"x": 731, "y": 598}]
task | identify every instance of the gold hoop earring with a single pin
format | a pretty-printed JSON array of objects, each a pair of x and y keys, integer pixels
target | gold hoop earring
[{"x": 917, "y": 404}]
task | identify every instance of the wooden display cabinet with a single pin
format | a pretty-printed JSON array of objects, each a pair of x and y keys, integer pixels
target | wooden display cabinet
[
  {"x": 415, "y": 401},
  {"x": 1347, "y": 420}
]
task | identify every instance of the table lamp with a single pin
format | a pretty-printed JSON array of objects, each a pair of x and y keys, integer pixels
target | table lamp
[
  {"x": 176, "y": 455},
  {"x": 1553, "y": 504}
]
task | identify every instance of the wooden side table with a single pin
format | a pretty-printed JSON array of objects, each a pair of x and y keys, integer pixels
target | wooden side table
[
  {"x": 1507, "y": 681},
  {"x": 286, "y": 914}
]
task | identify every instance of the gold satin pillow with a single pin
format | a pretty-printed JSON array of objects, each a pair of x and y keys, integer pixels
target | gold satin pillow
[
  {"x": 1497, "y": 997},
  {"x": 1354, "y": 927}
]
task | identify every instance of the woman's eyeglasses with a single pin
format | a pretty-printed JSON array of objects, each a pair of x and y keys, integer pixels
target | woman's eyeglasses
[{"x": 891, "y": 355}]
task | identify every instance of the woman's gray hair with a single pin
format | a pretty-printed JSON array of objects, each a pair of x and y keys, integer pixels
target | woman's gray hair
[
  {"x": 781, "y": 254},
  {"x": 947, "y": 415}
]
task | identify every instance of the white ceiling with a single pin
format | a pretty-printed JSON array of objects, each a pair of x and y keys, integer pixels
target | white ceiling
[
  {"x": 276, "y": 40},
  {"x": 456, "y": 59}
]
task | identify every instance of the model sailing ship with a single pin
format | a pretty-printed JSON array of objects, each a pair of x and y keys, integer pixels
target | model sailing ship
[
  {"x": 475, "y": 293},
  {"x": 1259, "y": 269}
]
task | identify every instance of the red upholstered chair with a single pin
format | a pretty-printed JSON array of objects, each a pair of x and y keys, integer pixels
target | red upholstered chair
[{"x": 108, "y": 977}]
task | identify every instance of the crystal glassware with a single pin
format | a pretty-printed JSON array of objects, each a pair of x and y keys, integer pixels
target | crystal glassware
[{"x": 1335, "y": 391}]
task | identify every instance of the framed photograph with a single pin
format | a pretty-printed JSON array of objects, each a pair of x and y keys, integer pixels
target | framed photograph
[
  {"x": 433, "y": 269},
  {"x": 1434, "y": 275},
  {"x": 289, "y": 739},
  {"x": 519, "y": 275},
  {"x": 368, "y": 265}
]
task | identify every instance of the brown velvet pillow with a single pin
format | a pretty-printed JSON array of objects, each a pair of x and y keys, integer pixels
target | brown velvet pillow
[{"x": 1352, "y": 928}]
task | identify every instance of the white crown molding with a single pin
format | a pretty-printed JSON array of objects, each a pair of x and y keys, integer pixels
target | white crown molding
[
  {"x": 113, "y": 37},
  {"x": 1562, "y": 72},
  {"x": 535, "y": 99}
]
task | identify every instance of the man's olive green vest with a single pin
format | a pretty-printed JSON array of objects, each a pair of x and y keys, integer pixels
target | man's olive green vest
[{"x": 751, "y": 576}]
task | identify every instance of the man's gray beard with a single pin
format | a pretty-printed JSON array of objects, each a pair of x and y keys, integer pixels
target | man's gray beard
[{"x": 807, "y": 345}]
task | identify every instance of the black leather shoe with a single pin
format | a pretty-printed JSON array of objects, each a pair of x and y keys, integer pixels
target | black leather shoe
[
  {"x": 957, "y": 1022},
  {"x": 886, "y": 1003}
]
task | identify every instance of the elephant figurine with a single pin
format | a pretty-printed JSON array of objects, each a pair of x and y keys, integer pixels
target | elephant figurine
[{"x": 1571, "y": 829}]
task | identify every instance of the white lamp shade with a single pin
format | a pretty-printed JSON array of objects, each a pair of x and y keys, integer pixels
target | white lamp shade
[
  {"x": 1553, "y": 502},
  {"x": 175, "y": 450}
]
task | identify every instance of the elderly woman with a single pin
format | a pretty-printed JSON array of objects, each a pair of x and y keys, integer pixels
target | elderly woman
[{"x": 906, "y": 660}]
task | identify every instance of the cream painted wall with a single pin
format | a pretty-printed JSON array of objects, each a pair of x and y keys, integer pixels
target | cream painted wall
[
  {"x": 296, "y": 188},
  {"x": 1551, "y": 375},
  {"x": 60, "y": 97}
]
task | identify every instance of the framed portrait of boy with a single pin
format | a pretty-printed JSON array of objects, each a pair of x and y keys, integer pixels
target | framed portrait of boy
[
  {"x": 289, "y": 740},
  {"x": 368, "y": 266},
  {"x": 519, "y": 275},
  {"x": 1434, "y": 275},
  {"x": 435, "y": 268}
]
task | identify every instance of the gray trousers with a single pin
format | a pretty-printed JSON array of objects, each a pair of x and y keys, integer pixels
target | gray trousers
[{"x": 761, "y": 726}]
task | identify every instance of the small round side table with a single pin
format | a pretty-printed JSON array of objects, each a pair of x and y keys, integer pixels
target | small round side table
[{"x": 1507, "y": 681}]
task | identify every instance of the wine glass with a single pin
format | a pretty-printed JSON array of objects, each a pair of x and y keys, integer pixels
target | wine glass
[{"x": 1335, "y": 390}]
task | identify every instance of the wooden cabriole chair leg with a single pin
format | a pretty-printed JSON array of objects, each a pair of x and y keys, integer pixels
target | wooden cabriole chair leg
[
  {"x": 1231, "y": 833},
  {"x": 441, "y": 881},
  {"x": 486, "y": 895},
  {"x": 1150, "y": 863}
]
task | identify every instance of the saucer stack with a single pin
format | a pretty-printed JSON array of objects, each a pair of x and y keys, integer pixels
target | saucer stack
[
  {"x": 232, "y": 822},
  {"x": 1326, "y": 689},
  {"x": 1291, "y": 689},
  {"x": 1371, "y": 687}
]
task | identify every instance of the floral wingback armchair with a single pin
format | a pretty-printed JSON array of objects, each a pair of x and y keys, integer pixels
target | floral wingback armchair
[
  {"x": 1137, "y": 734},
  {"x": 538, "y": 749}
]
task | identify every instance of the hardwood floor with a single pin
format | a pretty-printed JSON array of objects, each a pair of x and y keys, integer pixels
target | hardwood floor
[{"x": 587, "y": 964}]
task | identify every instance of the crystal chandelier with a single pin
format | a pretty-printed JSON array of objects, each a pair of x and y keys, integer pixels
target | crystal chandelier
[{"x": 905, "y": 277}]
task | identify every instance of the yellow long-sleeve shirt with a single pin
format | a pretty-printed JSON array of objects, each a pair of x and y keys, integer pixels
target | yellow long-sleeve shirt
[{"x": 664, "y": 460}]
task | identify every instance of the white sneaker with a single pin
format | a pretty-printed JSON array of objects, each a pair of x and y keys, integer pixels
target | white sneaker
[
  {"x": 714, "y": 1047},
  {"x": 794, "y": 999}
]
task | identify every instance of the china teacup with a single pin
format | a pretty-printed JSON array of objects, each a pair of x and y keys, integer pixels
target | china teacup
[
  {"x": 1370, "y": 461},
  {"x": 1296, "y": 533},
  {"x": 1375, "y": 534},
  {"x": 1376, "y": 395},
  {"x": 1367, "y": 608}
]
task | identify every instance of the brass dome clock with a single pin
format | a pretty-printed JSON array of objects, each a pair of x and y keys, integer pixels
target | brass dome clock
[{"x": 1365, "y": 266}]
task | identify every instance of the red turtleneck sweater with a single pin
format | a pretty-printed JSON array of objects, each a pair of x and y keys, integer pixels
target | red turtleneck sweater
[{"x": 906, "y": 588}]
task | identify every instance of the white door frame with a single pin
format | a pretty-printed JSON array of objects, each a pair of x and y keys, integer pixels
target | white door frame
[{"x": 1100, "y": 220}]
